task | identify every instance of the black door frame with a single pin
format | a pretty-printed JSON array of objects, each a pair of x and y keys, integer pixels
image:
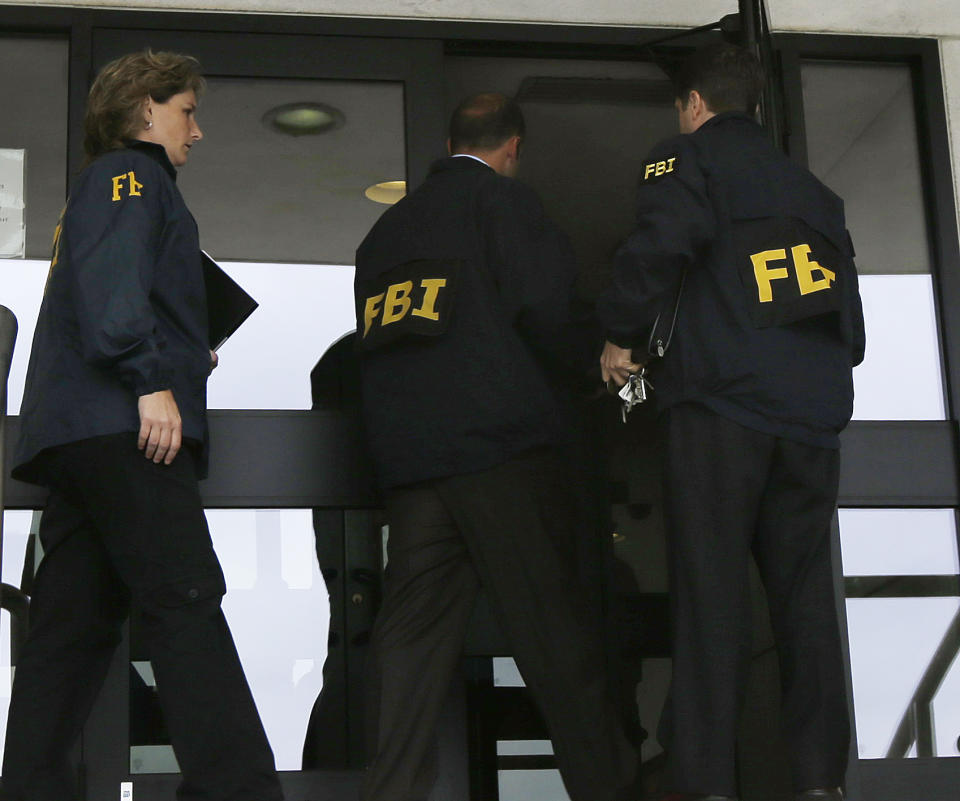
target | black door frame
[
  {"x": 416, "y": 63},
  {"x": 900, "y": 448},
  {"x": 886, "y": 464}
]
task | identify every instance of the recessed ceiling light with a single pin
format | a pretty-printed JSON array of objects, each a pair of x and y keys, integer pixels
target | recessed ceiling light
[
  {"x": 302, "y": 119},
  {"x": 387, "y": 192}
]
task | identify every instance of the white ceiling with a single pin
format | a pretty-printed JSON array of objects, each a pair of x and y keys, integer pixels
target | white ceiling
[
  {"x": 892, "y": 17},
  {"x": 862, "y": 142},
  {"x": 258, "y": 194}
]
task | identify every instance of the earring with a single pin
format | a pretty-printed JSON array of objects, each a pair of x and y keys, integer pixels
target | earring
[{"x": 149, "y": 124}]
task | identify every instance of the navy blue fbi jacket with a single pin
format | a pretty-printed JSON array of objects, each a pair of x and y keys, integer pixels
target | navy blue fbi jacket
[
  {"x": 124, "y": 310},
  {"x": 463, "y": 298},
  {"x": 770, "y": 323}
]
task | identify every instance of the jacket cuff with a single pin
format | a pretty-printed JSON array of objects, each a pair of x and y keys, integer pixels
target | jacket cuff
[
  {"x": 155, "y": 380},
  {"x": 629, "y": 342}
]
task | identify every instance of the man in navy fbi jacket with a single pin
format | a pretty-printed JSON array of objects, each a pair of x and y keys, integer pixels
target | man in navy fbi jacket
[
  {"x": 755, "y": 386},
  {"x": 463, "y": 296}
]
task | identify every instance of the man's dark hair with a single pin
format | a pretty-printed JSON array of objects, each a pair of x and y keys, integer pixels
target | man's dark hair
[
  {"x": 727, "y": 76},
  {"x": 484, "y": 122}
]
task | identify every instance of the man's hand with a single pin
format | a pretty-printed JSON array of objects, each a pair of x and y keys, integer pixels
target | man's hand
[
  {"x": 160, "y": 426},
  {"x": 214, "y": 361},
  {"x": 617, "y": 364}
]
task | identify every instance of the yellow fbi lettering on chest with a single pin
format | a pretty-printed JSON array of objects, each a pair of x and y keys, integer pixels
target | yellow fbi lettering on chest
[
  {"x": 126, "y": 184},
  {"x": 774, "y": 265},
  {"x": 397, "y": 301}
]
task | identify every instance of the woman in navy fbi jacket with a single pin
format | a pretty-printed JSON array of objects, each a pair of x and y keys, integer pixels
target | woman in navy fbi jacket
[{"x": 114, "y": 423}]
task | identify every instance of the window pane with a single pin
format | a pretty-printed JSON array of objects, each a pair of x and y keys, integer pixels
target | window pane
[
  {"x": 22, "y": 282},
  {"x": 278, "y": 610},
  {"x": 903, "y": 619},
  {"x": 262, "y": 195},
  {"x": 531, "y": 785},
  {"x": 908, "y": 542},
  {"x": 35, "y": 119},
  {"x": 892, "y": 642},
  {"x": 900, "y": 377},
  {"x": 16, "y": 532},
  {"x": 862, "y": 143},
  {"x": 266, "y": 364}
]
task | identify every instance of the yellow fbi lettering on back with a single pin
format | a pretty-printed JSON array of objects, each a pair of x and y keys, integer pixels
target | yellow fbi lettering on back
[
  {"x": 128, "y": 181},
  {"x": 396, "y": 302},
  {"x": 57, "y": 232},
  {"x": 803, "y": 266},
  {"x": 55, "y": 258},
  {"x": 657, "y": 168}
]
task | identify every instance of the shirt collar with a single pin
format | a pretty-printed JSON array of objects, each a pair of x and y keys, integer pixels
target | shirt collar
[
  {"x": 469, "y": 156},
  {"x": 455, "y": 163}
]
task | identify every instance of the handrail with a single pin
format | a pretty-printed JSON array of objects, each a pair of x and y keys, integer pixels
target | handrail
[{"x": 916, "y": 725}]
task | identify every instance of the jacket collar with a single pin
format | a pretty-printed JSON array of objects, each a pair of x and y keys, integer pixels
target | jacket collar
[
  {"x": 452, "y": 163},
  {"x": 727, "y": 116},
  {"x": 157, "y": 152}
]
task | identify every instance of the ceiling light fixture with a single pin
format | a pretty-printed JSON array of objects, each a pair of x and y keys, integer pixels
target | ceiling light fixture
[
  {"x": 303, "y": 119},
  {"x": 387, "y": 192}
]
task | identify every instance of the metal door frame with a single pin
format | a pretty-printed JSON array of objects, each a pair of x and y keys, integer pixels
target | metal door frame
[
  {"x": 907, "y": 464},
  {"x": 886, "y": 464}
]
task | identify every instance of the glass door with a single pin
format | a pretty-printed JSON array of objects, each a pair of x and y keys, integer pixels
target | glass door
[
  {"x": 306, "y": 141},
  {"x": 868, "y": 131}
]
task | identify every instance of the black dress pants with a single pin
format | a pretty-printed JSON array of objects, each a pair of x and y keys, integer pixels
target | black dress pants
[
  {"x": 730, "y": 490},
  {"x": 118, "y": 526},
  {"x": 503, "y": 529}
]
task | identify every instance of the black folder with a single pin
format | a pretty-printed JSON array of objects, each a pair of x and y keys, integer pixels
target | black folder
[{"x": 228, "y": 305}]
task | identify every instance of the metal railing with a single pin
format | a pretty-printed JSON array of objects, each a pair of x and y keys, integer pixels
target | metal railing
[
  {"x": 916, "y": 725},
  {"x": 8, "y": 338},
  {"x": 11, "y": 598}
]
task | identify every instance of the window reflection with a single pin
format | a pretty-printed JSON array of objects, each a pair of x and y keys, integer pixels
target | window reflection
[
  {"x": 259, "y": 194},
  {"x": 862, "y": 142},
  {"x": 861, "y": 128},
  {"x": 903, "y": 619},
  {"x": 38, "y": 127},
  {"x": 900, "y": 377},
  {"x": 278, "y": 611},
  {"x": 22, "y": 283},
  {"x": 266, "y": 364},
  {"x": 17, "y": 526}
]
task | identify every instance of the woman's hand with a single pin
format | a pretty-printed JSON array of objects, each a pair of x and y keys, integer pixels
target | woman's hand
[{"x": 160, "y": 426}]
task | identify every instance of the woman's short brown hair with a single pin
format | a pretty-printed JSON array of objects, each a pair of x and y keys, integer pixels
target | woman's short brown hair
[{"x": 116, "y": 98}]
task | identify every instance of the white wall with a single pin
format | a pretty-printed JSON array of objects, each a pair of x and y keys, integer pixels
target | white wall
[{"x": 894, "y": 17}]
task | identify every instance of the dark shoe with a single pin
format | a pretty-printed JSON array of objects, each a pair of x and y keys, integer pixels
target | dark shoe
[{"x": 821, "y": 794}]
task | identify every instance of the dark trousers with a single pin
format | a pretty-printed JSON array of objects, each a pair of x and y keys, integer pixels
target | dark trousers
[
  {"x": 502, "y": 529},
  {"x": 118, "y": 527},
  {"x": 730, "y": 490}
]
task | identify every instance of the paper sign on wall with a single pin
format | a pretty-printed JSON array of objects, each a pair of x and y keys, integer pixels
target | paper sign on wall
[{"x": 12, "y": 227}]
